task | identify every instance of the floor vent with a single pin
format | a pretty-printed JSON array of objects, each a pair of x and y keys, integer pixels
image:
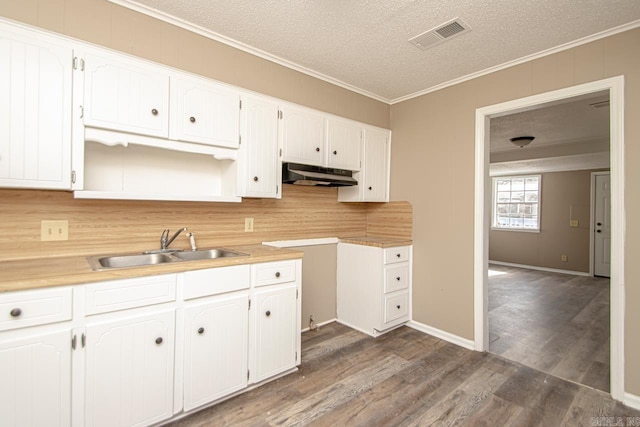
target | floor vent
[{"x": 437, "y": 35}]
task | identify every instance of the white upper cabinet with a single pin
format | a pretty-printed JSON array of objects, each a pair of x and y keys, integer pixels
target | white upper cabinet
[
  {"x": 373, "y": 177},
  {"x": 35, "y": 111},
  {"x": 205, "y": 112},
  {"x": 344, "y": 138},
  {"x": 303, "y": 136},
  {"x": 126, "y": 95},
  {"x": 259, "y": 168}
]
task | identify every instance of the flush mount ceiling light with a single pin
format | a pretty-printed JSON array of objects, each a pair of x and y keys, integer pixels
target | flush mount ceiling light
[{"x": 521, "y": 141}]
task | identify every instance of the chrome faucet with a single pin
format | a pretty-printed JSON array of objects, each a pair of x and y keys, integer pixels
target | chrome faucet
[{"x": 165, "y": 240}]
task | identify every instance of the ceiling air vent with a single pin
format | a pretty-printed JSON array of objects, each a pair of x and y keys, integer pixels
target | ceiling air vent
[{"x": 437, "y": 35}]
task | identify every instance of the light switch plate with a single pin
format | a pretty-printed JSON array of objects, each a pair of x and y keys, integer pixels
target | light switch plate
[
  {"x": 248, "y": 224},
  {"x": 574, "y": 223},
  {"x": 54, "y": 230}
]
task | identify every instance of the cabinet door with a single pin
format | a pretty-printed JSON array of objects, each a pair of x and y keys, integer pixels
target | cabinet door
[
  {"x": 35, "y": 389},
  {"x": 35, "y": 112},
  {"x": 303, "y": 137},
  {"x": 275, "y": 326},
  {"x": 215, "y": 358},
  {"x": 344, "y": 144},
  {"x": 125, "y": 95},
  {"x": 375, "y": 166},
  {"x": 129, "y": 370},
  {"x": 260, "y": 171},
  {"x": 207, "y": 113}
]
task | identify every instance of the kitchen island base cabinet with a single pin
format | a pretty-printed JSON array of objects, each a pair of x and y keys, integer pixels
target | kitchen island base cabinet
[
  {"x": 129, "y": 369},
  {"x": 374, "y": 287},
  {"x": 215, "y": 352},
  {"x": 35, "y": 372}
]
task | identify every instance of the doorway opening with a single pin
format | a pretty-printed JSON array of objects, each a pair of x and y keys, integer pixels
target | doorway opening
[{"x": 614, "y": 86}]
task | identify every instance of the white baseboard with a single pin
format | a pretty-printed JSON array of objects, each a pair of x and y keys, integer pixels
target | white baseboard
[
  {"x": 632, "y": 401},
  {"x": 326, "y": 322},
  {"x": 535, "y": 267},
  {"x": 454, "y": 339}
]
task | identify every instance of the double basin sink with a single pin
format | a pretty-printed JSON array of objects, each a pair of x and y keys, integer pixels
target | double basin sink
[{"x": 145, "y": 259}]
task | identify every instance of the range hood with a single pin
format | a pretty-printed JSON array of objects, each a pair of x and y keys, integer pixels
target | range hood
[{"x": 294, "y": 173}]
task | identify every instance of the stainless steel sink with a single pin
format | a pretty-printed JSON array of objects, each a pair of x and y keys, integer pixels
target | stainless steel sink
[
  {"x": 124, "y": 261},
  {"x": 206, "y": 254},
  {"x": 145, "y": 259}
]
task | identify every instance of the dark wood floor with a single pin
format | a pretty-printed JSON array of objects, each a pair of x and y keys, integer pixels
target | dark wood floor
[
  {"x": 407, "y": 378},
  {"x": 556, "y": 323}
]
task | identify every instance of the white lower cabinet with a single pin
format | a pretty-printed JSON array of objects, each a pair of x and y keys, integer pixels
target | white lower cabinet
[
  {"x": 129, "y": 369},
  {"x": 374, "y": 287},
  {"x": 35, "y": 372},
  {"x": 136, "y": 352},
  {"x": 274, "y": 332},
  {"x": 215, "y": 348}
]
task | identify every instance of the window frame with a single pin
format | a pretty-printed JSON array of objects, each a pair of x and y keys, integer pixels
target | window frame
[{"x": 494, "y": 203}]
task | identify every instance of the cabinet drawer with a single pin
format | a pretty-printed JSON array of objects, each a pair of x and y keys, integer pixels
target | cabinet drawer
[
  {"x": 396, "y": 278},
  {"x": 397, "y": 254},
  {"x": 30, "y": 308},
  {"x": 274, "y": 272},
  {"x": 129, "y": 293},
  {"x": 213, "y": 281},
  {"x": 396, "y": 307}
]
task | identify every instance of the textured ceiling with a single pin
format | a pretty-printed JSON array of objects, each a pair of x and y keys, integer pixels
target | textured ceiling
[
  {"x": 572, "y": 122},
  {"x": 363, "y": 43}
]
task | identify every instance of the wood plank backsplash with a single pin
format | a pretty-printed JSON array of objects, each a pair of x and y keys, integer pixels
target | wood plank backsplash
[{"x": 116, "y": 226}]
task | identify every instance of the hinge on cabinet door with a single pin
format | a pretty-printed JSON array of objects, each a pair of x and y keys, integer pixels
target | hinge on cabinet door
[
  {"x": 248, "y": 375},
  {"x": 276, "y": 189},
  {"x": 249, "y": 305},
  {"x": 241, "y": 104},
  {"x": 296, "y": 294},
  {"x": 239, "y": 139},
  {"x": 281, "y": 152},
  {"x": 296, "y": 359},
  {"x": 73, "y": 177},
  {"x": 83, "y": 340},
  {"x": 280, "y": 114},
  {"x": 74, "y": 339}
]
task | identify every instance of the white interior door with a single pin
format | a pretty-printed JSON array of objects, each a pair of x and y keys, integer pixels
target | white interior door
[{"x": 602, "y": 226}]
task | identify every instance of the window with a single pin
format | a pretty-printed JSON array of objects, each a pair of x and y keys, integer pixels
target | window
[{"x": 516, "y": 203}]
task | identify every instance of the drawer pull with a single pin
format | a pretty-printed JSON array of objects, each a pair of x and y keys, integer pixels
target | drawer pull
[
  {"x": 268, "y": 313},
  {"x": 398, "y": 307},
  {"x": 398, "y": 255},
  {"x": 277, "y": 274},
  {"x": 192, "y": 119},
  {"x": 255, "y": 179},
  {"x": 201, "y": 331},
  {"x": 16, "y": 312},
  {"x": 317, "y": 149},
  {"x": 398, "y": 278},
  {"x": 154, "y": 112},
  {"x": 159, "y": 340}
]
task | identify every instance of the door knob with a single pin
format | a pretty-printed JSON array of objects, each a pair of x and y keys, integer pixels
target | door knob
[
  {"x": 16, "y": 312},
  {"x": 268, "y": 313},
  {"x": 599, "y": 223},
  {"x": 192, "y": 119},
  {"x": 159, "y": 340},
  {"x": 154, "y": 112},
  {"x": 598, "y": 231},
  {"x": 201, "y": 331}
]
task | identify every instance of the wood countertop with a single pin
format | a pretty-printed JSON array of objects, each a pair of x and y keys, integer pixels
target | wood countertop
[
  {"x": 61, "y": 271},
  {"x": 378, "y": 242}
]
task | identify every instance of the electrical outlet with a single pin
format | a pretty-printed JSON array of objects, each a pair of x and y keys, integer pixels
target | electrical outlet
[
  {"x": 248, "y": 224},
  {"x": 563, "y": 258},
  {"x": 54, "y": 230},
  {"x": 574, "y": 223}
]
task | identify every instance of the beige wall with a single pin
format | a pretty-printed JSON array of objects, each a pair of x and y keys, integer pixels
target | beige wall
[
  {"x": 565, "y": 196},
  {"x": 109, "y": 25},
  {"x": 433, "y": 168},
  {"x": 319, "y": 283}
]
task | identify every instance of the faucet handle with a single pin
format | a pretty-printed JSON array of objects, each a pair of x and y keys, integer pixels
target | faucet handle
[{"x": 164, "y": 237}]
